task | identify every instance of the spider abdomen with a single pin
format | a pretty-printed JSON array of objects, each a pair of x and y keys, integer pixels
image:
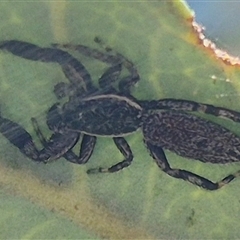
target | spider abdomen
[{"x": 192, "y": 137}]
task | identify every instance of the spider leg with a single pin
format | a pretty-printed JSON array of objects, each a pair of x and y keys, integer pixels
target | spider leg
[
  {"x": 112, "y": 59},
  {"x": 126, "y": 83},
  {"x": 115, "y": 59},
  {"x": 75, "y": 72},
  {"x": 112, "y": 74},
  {"x": 109, "y": 77},
  {"x": 158, "y": 155},
  {"x": 54, "y": 148},
  {"x": 124, "y": 148},
  {"x": 78, "y": 76},
  {"x": 186, "y": 105},
  {"x": 86, "y": 149},
  {"x": 19, "y": 137}
]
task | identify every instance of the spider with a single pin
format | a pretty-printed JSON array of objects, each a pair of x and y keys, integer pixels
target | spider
[
  {"x": 165, "y": 124},
  {"x": 60, "y": 144}
]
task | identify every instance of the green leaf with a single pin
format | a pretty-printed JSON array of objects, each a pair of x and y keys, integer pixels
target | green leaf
[
  {"x": 140, "y": 202},
  {"x": 21, "y": 219}
]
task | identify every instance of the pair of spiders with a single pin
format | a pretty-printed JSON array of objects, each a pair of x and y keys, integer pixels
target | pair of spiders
[{"x": 106, "y": 112}]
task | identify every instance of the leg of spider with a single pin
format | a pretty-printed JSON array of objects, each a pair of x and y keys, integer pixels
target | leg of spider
[
  {"x": 111, "y": 59},
  {"x": 63, "y": 89},
  {"x": 158, "y": 155},
  {"x": 114, "y": 59},
  {"x": 186, "y": 105},
  {"x": 72, "y": 68},
  {"x": 78, "y": 76},
  {"x": 18, "y": 136},
  {"x": 126, "y": 83},
  {"x": 109, "y": 77},
  {"x": 124, "y": 148},
  {"x": 38, "y": 132},
  {"x": 86, "y": 149}
]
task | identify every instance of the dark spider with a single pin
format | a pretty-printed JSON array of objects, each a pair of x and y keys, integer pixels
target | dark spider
[
  {"x": 61, "y": 142},
  {"x": 164, "y": 123}
]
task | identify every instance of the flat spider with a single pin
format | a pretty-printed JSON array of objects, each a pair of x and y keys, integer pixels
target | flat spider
[{"x": 165, "y": 123}]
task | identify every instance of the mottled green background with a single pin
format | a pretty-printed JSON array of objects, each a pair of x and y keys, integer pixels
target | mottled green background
[{"x": 59, "y": 200}]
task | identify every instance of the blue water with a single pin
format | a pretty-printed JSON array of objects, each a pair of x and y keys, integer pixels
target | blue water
[{"x": 222, "y": 21}]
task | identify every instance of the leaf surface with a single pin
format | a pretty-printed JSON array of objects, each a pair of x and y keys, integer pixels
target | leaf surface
[{"x": 59, "y": 200}]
